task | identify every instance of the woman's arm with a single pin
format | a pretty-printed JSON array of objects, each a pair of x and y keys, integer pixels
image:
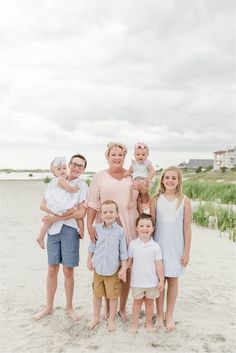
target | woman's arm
[
  {"x": 187, "y": 231},
  {"x": 153, "y": 209},
  {"x": 91, "y": 215}
]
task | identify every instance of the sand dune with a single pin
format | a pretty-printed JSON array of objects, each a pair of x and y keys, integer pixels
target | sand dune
[{"x": 205, "y": 311}]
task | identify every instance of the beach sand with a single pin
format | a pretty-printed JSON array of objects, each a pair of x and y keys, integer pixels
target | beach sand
[{"x": 205, "y": 309}]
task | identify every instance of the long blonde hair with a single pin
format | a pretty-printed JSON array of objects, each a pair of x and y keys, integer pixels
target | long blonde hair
[{"x": 161, "y": 188}]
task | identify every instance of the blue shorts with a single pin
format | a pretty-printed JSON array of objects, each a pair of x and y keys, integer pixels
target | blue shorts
[{"x": 64, "y": 247}]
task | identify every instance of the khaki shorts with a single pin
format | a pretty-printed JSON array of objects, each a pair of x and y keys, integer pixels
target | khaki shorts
[
  {"x": 106, "y": 286},
  {"x": 150, "y": 293}
]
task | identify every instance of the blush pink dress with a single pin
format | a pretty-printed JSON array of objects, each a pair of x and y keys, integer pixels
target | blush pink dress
[{"x": 103, "y": 187}]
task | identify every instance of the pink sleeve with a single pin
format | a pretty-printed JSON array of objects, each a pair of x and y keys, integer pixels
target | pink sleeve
[{"x": 93, "y": 199}]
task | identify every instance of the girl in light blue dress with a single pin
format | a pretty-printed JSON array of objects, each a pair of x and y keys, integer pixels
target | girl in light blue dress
[{"x": 171, "y": 211}]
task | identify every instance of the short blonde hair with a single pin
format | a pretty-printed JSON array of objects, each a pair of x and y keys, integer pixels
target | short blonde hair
[
  {"x": 111, "y": 145},
  {"x": 110, "y": 202}
]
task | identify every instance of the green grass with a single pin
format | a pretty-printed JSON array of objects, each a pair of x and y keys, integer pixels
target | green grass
[{"x": 225, "y": 218}]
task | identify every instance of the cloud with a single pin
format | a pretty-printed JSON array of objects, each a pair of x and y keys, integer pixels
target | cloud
[{"x": 82, "y": 74}]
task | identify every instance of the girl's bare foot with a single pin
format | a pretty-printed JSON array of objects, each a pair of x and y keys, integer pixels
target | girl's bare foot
[
  {"x": 41, "y": 243},
  {"x": 170, "y": 324},
  {"x": 159, "y": 323},
  {"x": 41, "y": 314},
  {"x": 92, "y": 324},
  {"x": 111, "y": 325},
  {"x": 72, "y": 314}
]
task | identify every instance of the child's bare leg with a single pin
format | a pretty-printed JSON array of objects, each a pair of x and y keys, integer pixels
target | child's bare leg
[
  {"x": 51, "y": 290},
  {"x": 97, "y": 303},
  {"x": 41, "y": 236},
  {"x": 80, "y": 223},
  {"x": 172, "y": 292},
  {"x": 112, "y": 316},
  {"x": 134, "y": 198},
  {"x": 149, "y": 305},
  {"x": 160, "y": 310},
  {"x": 137, "y": 304}
]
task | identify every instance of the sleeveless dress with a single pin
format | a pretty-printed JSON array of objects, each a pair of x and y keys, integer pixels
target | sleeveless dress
[{"x": 169, "y": 234}]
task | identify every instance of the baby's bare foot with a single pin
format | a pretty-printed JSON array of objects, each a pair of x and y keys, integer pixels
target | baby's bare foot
[
  {"x": 41, "y": 243},
  {"x": 72, "y": 314},
  {"x": 93, "y": 324},
  {"x": 41, "y": 314}
]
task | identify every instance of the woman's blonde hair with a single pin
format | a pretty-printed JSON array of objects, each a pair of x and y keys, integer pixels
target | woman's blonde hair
[
  {"x": 111, "y": 145},
  {"x": 179, "y": 189}
]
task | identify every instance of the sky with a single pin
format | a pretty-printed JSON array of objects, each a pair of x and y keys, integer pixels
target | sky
[{"x": 78, "y": 74}]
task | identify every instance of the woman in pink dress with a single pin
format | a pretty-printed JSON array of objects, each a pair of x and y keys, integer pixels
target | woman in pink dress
[{"x": 113, "y": 184}]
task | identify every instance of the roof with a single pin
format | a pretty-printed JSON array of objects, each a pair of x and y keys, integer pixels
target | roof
[{"x": 195, "y": 163}]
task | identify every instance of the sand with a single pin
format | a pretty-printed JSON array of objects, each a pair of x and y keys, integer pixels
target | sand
[{"x": 205, "y": 309}]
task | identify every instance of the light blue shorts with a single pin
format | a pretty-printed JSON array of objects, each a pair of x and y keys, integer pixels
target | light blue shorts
[{"x": 64, "y": 247}]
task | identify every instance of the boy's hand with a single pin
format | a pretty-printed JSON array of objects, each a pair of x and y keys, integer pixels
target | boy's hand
[
  {"x": 90, "y": 265},
  {"x": 122, "y": 275}
]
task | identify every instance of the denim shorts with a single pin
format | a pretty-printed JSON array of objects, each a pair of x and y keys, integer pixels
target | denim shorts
[{"x": 64, "y": 247}]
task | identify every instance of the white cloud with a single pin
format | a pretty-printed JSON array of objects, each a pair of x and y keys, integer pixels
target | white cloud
[{"x": 75, "y": 76}]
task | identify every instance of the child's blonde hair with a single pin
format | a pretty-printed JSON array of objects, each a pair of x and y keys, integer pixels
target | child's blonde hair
[
  {"x": 110, "y": 202},
  {"x": 179, "y": 188}
]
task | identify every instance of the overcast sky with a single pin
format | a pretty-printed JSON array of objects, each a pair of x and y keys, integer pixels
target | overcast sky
[{"x": 75, "y": 75}]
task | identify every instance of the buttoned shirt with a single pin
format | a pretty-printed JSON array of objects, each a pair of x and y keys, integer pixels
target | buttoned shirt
[{"x": 109, "y": 250}]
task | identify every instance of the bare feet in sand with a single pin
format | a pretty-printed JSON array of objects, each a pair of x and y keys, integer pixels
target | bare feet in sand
[
  {"x": 170, "y": 324},
  {"x": 41, "y": 314},
  {"x": 93, "y": 324},
  {"x": 134, "y": 329},
  {"x": 74, "y": 316},
  {"x": 149, "y": 327},
  {"x": 41, "y": 243},
  {"x": 159, "y": 323},
  {"x": 111, "y": 325},
  {"x": 123, "y": 315}
]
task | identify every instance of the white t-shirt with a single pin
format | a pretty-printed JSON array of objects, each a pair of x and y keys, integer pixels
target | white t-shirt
[
  {"x": 81, "y": 197},
  {"x": 143, "y": 272}
]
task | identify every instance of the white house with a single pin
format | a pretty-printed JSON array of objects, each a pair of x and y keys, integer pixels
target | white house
[{"x": 226, "y": 158}]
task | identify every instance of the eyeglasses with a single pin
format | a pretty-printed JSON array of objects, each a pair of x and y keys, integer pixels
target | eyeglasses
[{"x": 80, "y": 166}]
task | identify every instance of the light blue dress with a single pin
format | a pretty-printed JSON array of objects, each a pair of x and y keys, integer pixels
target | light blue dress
[{"x": 169, "y": 234}]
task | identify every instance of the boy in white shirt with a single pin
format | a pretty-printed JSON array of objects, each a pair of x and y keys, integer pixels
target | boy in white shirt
[{"x": 147, "y": 278}]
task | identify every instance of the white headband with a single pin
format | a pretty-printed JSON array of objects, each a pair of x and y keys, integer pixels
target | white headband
[{"x": 59, "y": 160}]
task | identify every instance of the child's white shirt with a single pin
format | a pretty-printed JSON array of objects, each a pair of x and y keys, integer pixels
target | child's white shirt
[{"x": 143, "y": 271}]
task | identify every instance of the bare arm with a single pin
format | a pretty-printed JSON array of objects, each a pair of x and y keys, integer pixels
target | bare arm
[
  {"x": 91, "y": 215},
  {"x": 43, "y": 207},
  {"x": 129, "y": 263},
  {"x": 187, "y": 231},
  {"x": 65, "y": 185},
  {"x": 128, "y": 172},
  {"x": 160, "y": 272},
  {"x": 80, "y": 213},
  {"x": 151, "y": 172},
  {"x": 90, "y": 261}
]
